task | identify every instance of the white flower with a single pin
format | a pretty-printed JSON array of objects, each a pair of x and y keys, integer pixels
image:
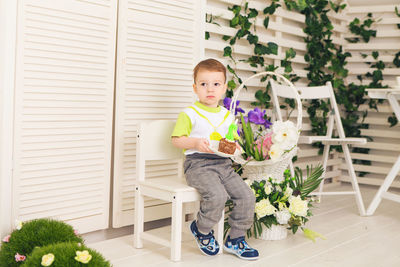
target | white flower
[
  {"x": 267, "y": 189},
  {"x": 264, "y": 208},
  {"x": 288, "y": 192},
  {"x": 283, "y": 216},
  {"x": 278, "y": 188},
  {"x": 18, "y": 224},
  {"x": 275, "y": 152},
  {"x": 47, "y": 259},
  {"x": 285, "y": 134},
  {"x": 297, "y": 206},
  {"x": 83, "y": 256}
]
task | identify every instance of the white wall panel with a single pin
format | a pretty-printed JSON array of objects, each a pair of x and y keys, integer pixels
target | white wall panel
[
  {"x": 63, "y": 111},
  {"x": 159, "y": 42}
]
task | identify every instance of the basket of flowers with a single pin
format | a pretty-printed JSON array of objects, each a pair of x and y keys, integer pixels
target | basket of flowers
[
  {"x": 267, "y": 148},
  {"x": 282, "y": 205},
  {"x": 282, "y": 200}
]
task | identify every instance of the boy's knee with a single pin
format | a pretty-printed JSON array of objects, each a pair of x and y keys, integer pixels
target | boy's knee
[
  {"x": 218, "y": 200},
  {"x": 249, "y": 199}
]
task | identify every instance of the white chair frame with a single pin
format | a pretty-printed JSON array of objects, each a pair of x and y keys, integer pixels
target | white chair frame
[
  {"x": 325, "y": 92},
  {"x": 154, "y": 143}
]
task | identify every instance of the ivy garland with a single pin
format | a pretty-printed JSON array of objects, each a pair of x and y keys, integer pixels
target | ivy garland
[{"x": 326, "y": 61}]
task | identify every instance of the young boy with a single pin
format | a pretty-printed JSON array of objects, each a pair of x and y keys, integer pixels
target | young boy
[{"x": 212, "y": 175}]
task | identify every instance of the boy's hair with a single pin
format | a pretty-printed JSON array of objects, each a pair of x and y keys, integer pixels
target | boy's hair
[{"x": 210, "y": 65}]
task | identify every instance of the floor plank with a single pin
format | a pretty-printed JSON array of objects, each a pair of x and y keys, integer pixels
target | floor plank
[{"x": 352, "y": 240}]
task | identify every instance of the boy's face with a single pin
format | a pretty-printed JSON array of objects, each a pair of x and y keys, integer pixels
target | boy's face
[{"x": 209, "y": 86}]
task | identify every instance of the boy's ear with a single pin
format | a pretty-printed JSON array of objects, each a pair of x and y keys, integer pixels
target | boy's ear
[{"x": 194, "y": 88}]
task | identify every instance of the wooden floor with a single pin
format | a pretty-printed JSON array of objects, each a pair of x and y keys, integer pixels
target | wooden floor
[{"x": 351, "y": 241}]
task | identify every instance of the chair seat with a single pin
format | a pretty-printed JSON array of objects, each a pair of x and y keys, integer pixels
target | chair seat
[
  {"x": 331, "y": 141},
  {"x": 166, "y": 184}
]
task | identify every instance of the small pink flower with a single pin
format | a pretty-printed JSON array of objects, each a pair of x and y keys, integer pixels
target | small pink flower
[
  {"x": 6, "y": 239},
  {"x": 76, "y": 232},
  {"x": 19, "y": 257},
  {"x": 267, "y": 143}
]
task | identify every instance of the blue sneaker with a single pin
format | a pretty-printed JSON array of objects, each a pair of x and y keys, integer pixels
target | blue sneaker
[
  {"x": 239, "y": 247},
  {"x": 207, "y": 243}
]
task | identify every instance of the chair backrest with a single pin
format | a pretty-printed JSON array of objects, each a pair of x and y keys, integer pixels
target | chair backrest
[
  {"x": 154, "y": 143},
  {"x": 311, "y": 92}
]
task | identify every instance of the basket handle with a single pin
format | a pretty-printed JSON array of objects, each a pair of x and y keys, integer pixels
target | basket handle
[{"x": 282, "y": 78}]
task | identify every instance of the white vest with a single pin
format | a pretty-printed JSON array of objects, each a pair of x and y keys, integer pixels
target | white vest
[{"x": 201, "y": 128}]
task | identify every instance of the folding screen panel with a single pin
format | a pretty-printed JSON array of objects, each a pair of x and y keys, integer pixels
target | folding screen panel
[
  {"x": 159, "y": 42},
  {"x": 63, "y": 111}
]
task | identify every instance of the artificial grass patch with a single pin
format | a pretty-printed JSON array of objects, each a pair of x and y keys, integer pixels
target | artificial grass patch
[
  {"x": 35, "y": 233},
  {"x": 65, "y": 255}
]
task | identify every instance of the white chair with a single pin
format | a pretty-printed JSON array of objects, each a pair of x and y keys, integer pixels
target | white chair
[
  {"x": 154, "y": 143},
  {"x": 325, "y": 92}
]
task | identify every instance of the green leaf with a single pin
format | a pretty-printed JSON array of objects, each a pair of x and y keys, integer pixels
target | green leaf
[
  {"x": 290, "y": 53},
  {"x": 312, "y": 235},
  {"x": 273, "y": 47},
  {"x": 231, "y": 84},
  {"x": 207, "y": 35},
  {"x": 228, "y": 51},
  {"x": 234, "y": 22},
  {"x": 266, "y": 22},
  {"x": 396, "y": 60},
  {"x": 253, "y": 13},
  {"x": 270, "y": 9},
  {"x": 375, "y": 54},
  {"x": 253, "y": 39}
]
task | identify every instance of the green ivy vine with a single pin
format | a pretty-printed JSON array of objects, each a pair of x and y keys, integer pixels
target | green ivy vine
[{"x": 326, "y": 61}]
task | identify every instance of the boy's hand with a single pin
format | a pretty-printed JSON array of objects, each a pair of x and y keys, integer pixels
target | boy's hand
[{"x": 202, "y": 145}]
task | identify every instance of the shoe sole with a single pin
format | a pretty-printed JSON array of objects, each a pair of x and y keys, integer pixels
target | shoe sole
[
  {"x": 199, "y": 246},
  {"x": 231, "y": 251}
]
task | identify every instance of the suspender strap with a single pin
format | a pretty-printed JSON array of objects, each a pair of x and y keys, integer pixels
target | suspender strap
[{"x": 204, "y": 117}]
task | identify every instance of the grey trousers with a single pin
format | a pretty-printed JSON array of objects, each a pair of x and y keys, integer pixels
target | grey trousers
[{"x": 216, "y": 181}]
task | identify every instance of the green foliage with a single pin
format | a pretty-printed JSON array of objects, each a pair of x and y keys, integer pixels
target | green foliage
[
  {"x": 64, "y": 255},
  {"x": 326, "y": 61},
  {"x": 305, "y": 186},
  {"x": 396, "y": 60},
  {"x": 392, "y": 120},
  {"x": 248, "y": 144},
  {"x": 35, "y": 233},
  {"x": 363, "y": 30}
]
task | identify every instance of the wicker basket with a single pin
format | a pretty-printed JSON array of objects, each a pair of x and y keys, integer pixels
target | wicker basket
[
  {"x": 262, "y": 170},
  {"x": 275, "y": 232},
  {"x": 258, "y": 170}
]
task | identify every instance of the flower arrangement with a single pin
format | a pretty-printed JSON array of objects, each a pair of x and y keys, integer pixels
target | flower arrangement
[
  {"x": 262, "y": 140},
  {"x": 284, "y": 202}
]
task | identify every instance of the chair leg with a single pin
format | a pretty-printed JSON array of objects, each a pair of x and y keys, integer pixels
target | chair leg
[
  {"x": 325, "y": 157},
  {"x": 220, "y": 232},
  {"x": 139, "y": 218},
  {"x": 384, "y": 187},
  {"x": 176, "y": 228},
  {"x": 353, "y": 179}
]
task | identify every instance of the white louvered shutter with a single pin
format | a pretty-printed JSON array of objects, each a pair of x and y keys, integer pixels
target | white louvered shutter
[
  {"x": 159, "y": 42},
  {"x": 63, "y": 111}
]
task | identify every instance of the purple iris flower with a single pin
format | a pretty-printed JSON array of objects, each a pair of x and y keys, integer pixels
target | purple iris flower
[
  {"x": 267, "y": 124},
  {"x": 227, "y": 105},
  {"x": 256, "y": 116}
]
